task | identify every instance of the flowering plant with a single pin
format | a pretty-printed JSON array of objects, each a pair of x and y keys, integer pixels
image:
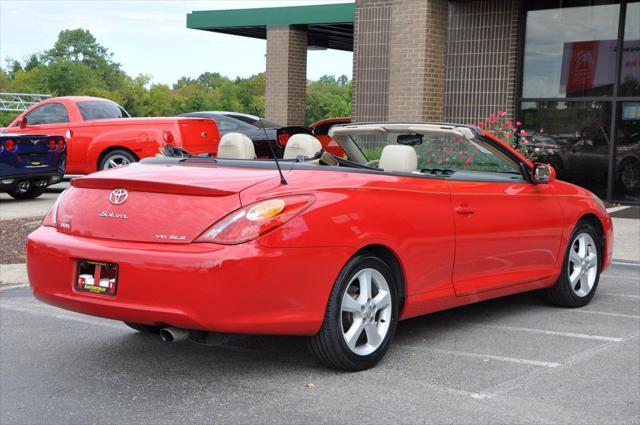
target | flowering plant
[{"x": 515, "y": 136}]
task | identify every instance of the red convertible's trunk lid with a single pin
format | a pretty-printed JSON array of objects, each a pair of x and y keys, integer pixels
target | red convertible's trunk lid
[{"x": 153, "y": 203}]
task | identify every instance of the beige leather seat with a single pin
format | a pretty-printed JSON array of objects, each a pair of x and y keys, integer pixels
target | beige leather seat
[
  {"x": 236, "y": 146},
  {"x": 399, "y": 158},
  {"x": 302, "y": 145}
]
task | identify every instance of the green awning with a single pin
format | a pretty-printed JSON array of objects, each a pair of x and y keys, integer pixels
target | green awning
[{"x": 328, "y": 25}]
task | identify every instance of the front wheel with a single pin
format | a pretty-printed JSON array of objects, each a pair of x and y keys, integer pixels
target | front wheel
[
  {"x": 361, "y": 316},
  {"x": 580, "y": 273}
]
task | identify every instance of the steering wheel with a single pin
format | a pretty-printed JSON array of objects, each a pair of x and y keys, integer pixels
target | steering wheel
[{"x": 373, "y": 163}]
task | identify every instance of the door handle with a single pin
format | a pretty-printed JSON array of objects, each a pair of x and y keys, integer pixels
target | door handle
[{"x": 464, "y": 210}]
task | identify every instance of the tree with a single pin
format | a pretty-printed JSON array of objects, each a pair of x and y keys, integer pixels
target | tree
[{"x": 78, "y": 65}]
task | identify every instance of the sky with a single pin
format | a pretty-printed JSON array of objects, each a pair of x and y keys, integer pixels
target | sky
[{"x": 150, "y": 36}]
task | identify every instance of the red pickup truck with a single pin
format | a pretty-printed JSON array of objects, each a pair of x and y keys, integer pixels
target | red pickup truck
[{"x": 100, "y": 133}]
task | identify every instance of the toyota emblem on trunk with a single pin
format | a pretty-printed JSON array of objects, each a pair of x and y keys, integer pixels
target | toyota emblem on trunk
[{"x": 118, "y": 196}]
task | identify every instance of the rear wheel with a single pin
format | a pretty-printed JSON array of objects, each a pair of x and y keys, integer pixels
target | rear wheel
[
  {"x": 24, "y": 190},
  {"x": 580, "y": 274},
  {"x": 148, "y": 329},
  {"x": 116, "y": 158},
  {"x": 361, "y": 316}
]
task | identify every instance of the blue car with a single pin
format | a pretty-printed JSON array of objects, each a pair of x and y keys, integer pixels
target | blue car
[{"x": 28, "y": 164}]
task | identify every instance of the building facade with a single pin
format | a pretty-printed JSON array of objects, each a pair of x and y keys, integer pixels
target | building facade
[{"x": 568, "y": 70}]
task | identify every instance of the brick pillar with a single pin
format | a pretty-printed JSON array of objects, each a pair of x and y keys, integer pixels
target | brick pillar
[
  {"x": 482, "y": 59},
  {"x": 286, "y": 80},
  {"x": 418, "y": 59},
  {"x": 372, "y": 30}
]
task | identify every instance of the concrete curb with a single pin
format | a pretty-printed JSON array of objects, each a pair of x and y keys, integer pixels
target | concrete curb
[{"x": 13, "y": 273}]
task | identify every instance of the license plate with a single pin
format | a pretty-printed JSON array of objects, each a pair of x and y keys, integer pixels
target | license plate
[{"x": 97, "y": 277}]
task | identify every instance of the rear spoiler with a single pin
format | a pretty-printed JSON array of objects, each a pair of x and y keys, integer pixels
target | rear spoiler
[{"x": 143, "y": 185}]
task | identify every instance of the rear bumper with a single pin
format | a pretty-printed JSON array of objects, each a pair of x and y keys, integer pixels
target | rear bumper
[
  {"x": 244, "y": 288},
  {"x": 10, "y": 182}
]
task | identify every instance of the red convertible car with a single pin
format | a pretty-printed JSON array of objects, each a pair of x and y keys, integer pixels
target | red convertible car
[{"x": 336, "y": 249}]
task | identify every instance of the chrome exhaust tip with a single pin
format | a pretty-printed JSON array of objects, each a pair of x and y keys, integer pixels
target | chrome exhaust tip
[{"x": 174, "y": 334}]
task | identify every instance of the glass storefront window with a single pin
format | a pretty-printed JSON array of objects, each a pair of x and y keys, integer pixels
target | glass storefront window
[
  {"x": 570, "y": 51},
  {"x": 627, "y": 168},
  {"x": 630, "y": 71},
  {"x": 574, "y": 138}
]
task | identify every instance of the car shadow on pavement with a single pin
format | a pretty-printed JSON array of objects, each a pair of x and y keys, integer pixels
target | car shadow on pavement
[{"x": 274, "y": 355}]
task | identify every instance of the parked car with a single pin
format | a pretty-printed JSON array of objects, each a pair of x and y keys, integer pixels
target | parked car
[
  {"x": 28, "y": 164},
  {"x": 320, "y": 131},
  {"x": 101, "y": 135},
  {"x": 253, "y": 120},
  {"x": 584, "y": 157},
  {"x": 337, "y": 249},
  {"x": 229, "y": 122}
]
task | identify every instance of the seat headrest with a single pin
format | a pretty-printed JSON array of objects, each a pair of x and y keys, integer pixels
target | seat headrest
[
  {"x": 236, "y": 146},
  {"x": 399, "y": 158},
  {"x": 302, "y": 145}
]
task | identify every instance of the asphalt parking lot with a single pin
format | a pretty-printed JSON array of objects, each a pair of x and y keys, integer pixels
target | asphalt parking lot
[{"x": 513, "y": 360}]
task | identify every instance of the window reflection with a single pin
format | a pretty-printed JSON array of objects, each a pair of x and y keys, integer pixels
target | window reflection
[
  {"x": 570, "y": 51},
  {"x": 630, "y": 71},
  {"x": 627, "y": 176},
  {"x": 574, "y": 139}
]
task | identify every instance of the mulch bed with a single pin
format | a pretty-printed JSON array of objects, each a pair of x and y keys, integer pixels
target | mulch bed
[{"x": 13, "y": 236}]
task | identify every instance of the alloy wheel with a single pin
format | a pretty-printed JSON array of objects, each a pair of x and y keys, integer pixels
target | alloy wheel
[
  {"x": 115, "y": 161},
  {"x": 366, "y": 311},
  {"x": 583, "y": 264}
]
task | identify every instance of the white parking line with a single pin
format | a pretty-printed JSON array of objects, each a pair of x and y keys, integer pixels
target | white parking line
[
  {"x": 620, "y": 276},
  {"x": 614, "y": 294},
  {"x": 493, "y": 357},
  {"x": 625, "y": 263},
  {"x": 554, "y": 333},
  {"x": 482, "y": 356},
  {"x": 605, "y": 313},
  {"x": 516, "y": 382}
]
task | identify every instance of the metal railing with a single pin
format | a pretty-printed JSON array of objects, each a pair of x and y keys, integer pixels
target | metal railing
[{"x": 18, "y": 102}]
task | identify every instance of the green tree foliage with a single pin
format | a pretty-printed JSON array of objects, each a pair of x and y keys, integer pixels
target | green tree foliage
[{"x": 78, "y": 65}]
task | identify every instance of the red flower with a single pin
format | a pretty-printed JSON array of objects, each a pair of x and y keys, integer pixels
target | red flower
[
  {"x": 506, "y": 134},
  {"x": 542, "y": 130},
  {"x": 518, "y": 123},
  {"x": 523, "y": 132}
]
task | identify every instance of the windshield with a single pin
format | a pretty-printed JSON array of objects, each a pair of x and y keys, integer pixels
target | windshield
[
  {"x": 443, "y": 151},
  {"x": 100, "y": 110}
]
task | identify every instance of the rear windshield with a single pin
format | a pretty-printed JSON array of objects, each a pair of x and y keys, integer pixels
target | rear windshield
[{"x": 100, "y": 110}]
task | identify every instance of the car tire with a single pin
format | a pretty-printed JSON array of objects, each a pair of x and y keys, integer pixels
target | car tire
[
  {"x": 147, "y": 329},
  {"x": 629, "y": 175},
  {"x": 31, "y": 193},
  {"x": 581, "y": 268},
  {"x": 116, "y": 158},
  {"x": 368, "y": 324}
]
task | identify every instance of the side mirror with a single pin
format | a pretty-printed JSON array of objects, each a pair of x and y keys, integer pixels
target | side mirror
[
  {"x": 23, "y": 122},
  {"x": 543, "y": 173}
]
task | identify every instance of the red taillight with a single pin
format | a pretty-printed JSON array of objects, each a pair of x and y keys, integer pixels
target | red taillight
[
  {"x": 283, "y": 138},
  {"x": 167, "y": 136},
  {"x": 61, "y": 144},
  {"x": 256, "y": 219},
  {"x": 52, "y": 144},
  {"x": 10, "y": 145},
  {"x": 51, "y": 219}
]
